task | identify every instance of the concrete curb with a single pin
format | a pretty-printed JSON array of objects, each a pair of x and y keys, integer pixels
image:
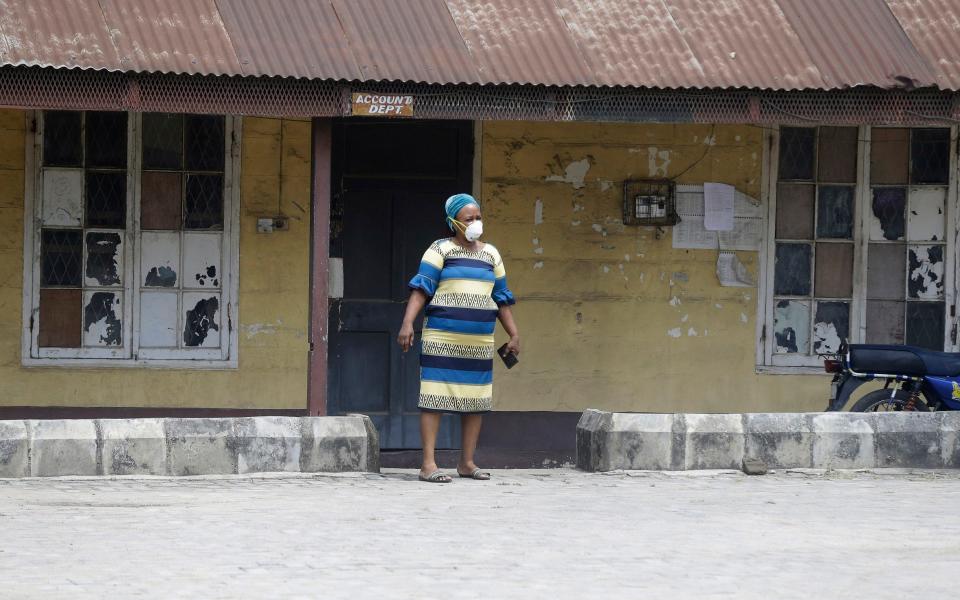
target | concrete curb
[
  {"x": 634, "y": 441},
  {"x": 85, "y": 447}
]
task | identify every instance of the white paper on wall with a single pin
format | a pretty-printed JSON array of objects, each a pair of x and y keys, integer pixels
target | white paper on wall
[
  {"x": 691, "y": 232},
  {"x": 718, "y": 199},
  {"x": 731, "y": 272}
]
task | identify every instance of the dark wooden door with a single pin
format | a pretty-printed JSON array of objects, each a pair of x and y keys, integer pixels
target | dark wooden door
[{"x": 390, "y": 182}]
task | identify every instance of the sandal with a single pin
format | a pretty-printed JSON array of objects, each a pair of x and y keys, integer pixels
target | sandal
[
  {"x": 477, "y": 474},
  {"x": 436, "y": 477}
]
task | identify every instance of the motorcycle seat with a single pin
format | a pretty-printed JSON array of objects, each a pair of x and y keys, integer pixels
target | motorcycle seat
[{"x": 903, "y": 360}]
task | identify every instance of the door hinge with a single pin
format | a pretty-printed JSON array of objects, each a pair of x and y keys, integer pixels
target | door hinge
[
  {"x": 763, "y": 333},
  {"x": 953, "y": 335},
  {"x": 229, "y": 317},
  {"x": 31, "y": 324}
]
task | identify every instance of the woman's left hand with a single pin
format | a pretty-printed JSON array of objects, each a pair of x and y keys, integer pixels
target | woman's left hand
[{"x": 513, "y": 345}]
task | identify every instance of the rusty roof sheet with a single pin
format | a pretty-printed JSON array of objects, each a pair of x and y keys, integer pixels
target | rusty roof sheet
[
  {"x": 933, "y": 27},
  {"x": 761, "y": 44}
]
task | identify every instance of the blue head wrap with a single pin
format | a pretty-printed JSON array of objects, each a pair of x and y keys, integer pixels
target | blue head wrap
[{"x": 455, "y": 204}]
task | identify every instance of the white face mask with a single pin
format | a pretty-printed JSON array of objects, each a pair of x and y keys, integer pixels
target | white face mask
[{"x": 474, "y": 231}]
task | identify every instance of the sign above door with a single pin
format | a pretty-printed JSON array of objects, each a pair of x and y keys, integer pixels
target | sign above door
[{"x": 382, "y": 105}]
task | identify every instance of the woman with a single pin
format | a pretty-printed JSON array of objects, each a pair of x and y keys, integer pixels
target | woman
[{"x": 464, "y": 281}]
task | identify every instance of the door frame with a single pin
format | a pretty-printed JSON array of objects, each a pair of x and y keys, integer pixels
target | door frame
[{"x": 332, "y": 150}]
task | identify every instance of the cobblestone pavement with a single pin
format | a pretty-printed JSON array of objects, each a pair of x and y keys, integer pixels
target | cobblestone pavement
[{"x": 526, "y": 534}]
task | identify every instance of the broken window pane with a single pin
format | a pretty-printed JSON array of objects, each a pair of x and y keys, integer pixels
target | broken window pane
[
  {"x": 104, "y": 258},
  {"x": 925, "y": 221},
  {"x": 885, "y": 322},
  {"x": 887, "y": 221},
  {"x": 835, "y": 211},
  {"x": 925, "y": 272},
  {"x": 204, "y": 139},
  {"x": 162, "y": 141},
  {"x": 106, "y": 200},
  {"x": 106, "y": 134},
  {"x": 102, "y": 316},
  {"x": 887, "y": 271},
  {"x": 158, "y": 320},
  {"x": 795, "y": 211},
  {"x": 160, "y": 201},
  {"x": 930, "y": 155},
  {"x": 830, "y": 326},
  {"x": 925, "y": 324},
  {"x": 796, "y": 153},
  {"x": 834, "y": 271},
  {"x": 791, "y": 326},
  {"x": 201, "y": 326},
  {"x": 160, "y": 259},
  {"x": 792, "y": 270},
  {"x": 61, "y": 258},
  {"x": 60, "y": 312},
  {"x": 889, "y": 155},
  {"x": 837, "y": 155},
  {"x": 201, "y": 260},
  {"x": 62, "y": 146},
  {"x": 204, "y": 202},
  {"x": 62, "y": 197}
]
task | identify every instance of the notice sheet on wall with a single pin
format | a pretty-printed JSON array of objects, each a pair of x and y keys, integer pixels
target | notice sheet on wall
[
  {"x": 691, "y": 232},
  {"x": 718, "y": 206}
]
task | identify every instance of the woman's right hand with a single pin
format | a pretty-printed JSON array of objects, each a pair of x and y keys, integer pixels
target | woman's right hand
[{"x": 405, "y": 339}]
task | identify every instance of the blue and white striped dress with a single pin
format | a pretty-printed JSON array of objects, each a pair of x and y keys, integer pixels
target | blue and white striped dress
[{"x": 466, "y": 289}]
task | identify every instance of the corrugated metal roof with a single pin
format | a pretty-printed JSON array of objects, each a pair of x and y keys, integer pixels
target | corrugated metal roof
[
  {"x": 857, "y": 43},
  {"x": 293, "y": 38},
  {"x": 762, "y": 44},
  {"x": 934, "y": 28}
]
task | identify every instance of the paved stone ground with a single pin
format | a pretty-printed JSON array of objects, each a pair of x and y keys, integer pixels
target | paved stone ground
[{"x": 526, "y": 534}]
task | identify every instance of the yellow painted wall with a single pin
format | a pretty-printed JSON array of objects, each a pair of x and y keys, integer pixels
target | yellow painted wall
[
  {"x": 611, "y": 317},
  {"x": 273, "y": 301}
]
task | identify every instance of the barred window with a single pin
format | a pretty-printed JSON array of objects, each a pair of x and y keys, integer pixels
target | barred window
[
  {"x": 859, "y": 242},
  {"x": 131, "y": 250}
]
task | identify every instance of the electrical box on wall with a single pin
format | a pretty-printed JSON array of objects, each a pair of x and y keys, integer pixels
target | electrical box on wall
[
  {"x": 649, "y": 202},
  {"x": 271, "y": 224}
]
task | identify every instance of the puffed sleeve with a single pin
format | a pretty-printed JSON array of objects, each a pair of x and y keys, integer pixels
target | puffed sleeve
[
  {"x": 428, "y": 276},
  {"x": 501, "y": 293}
]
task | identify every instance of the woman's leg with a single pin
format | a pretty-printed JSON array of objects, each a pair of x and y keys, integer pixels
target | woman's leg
[
  {"x": 470, "y": 426},
  {"x": 429, "y": 426}
]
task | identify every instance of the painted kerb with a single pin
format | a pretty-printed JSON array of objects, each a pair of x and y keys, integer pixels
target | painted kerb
[
  {"x": 636, "y": 441},
  {"x": 86, "y": 447}
]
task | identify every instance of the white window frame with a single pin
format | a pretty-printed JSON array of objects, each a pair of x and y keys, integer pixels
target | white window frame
[
  {"x": 131, "y": 355},
  {"x": 766, "y": 360}
]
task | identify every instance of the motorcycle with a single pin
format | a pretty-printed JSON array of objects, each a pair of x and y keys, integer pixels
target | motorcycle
[{"x": 915, "y": 379}]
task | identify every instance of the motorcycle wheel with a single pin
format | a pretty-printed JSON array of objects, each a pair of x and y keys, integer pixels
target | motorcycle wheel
[{"x": 880, "y": 401}]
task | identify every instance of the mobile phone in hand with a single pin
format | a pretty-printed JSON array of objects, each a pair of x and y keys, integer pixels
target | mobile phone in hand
[{"x": 509, "y": 358}]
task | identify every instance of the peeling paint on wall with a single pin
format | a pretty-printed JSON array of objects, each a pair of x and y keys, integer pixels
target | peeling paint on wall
[
  {"x": 574, "y": 173},
  {"x": 254, "y": 329},
  {"x": 675, "y": 332},
  {"x": 658, "y": 161},
  {"x": 538, "y": 212}
]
